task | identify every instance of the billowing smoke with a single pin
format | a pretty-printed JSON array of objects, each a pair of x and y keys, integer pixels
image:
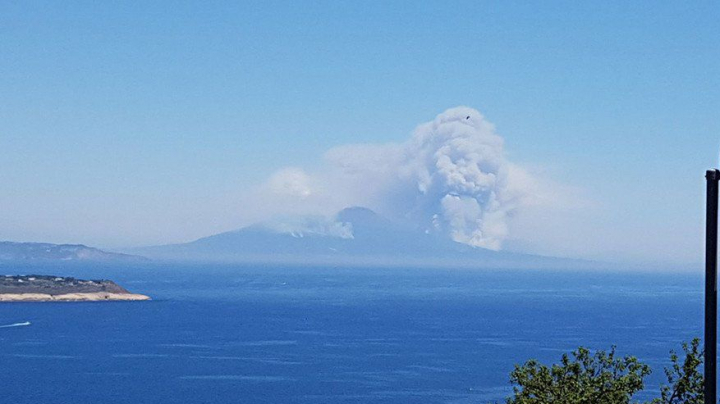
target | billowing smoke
[
  {"x": 450, "y": 177},
  {"x": 301, "y": 226}
]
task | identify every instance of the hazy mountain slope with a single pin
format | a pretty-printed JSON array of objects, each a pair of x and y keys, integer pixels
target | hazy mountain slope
[
  {"x": 12, "y": 251},
  {"x": 369, "y": 238}
]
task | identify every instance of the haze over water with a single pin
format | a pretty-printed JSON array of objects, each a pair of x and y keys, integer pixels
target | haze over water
[{"x": 229, "y": 334}]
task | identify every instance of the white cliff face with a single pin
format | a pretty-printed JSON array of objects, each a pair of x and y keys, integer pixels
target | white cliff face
[
  {"x": 44, "y": 288},
  {"x": 71, "y": 297}
]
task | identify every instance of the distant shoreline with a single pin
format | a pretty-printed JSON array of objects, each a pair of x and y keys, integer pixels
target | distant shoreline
[
  {"x": 45, "y": 288},
  {"x": 72, "y": 297}
]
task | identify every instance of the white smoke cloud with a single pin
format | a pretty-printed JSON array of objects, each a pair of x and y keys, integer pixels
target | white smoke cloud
[
  {"x": 301, "y": 226},
  {"x": 451, "y": 177},
  {"x": 290, "y": 181},
  {"x": 459, "y": 167}
]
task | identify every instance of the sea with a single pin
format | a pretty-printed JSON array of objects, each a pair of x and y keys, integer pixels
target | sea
[{"x": 314, "y": 335}]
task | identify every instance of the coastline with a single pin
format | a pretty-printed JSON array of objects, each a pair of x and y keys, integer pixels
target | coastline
[{"x": 72, "y": 297}]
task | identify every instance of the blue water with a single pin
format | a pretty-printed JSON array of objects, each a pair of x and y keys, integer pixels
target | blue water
[{"x": 254, "y": 334}]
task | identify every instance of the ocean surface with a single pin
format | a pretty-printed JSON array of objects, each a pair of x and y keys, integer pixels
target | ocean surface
[{"x": 270, "y": 334}]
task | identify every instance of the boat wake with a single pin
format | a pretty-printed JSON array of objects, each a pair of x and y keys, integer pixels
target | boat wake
[{"x": 26, "y": 323}]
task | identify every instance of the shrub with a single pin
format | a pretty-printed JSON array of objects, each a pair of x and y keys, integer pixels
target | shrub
[{"x": 604, "y": 378}]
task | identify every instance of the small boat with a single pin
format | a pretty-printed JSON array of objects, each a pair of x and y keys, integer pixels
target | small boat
[{"x": 16, "y": 325}]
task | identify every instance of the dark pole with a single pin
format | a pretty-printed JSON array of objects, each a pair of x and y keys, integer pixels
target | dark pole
[{"x": 711, "y": 246}]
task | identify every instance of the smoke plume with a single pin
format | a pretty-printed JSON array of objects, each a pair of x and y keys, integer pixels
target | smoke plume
[{"x": 451, "y": 177}]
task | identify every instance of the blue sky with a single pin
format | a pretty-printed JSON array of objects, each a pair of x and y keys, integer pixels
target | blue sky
[{"x": 127, "y": 123}]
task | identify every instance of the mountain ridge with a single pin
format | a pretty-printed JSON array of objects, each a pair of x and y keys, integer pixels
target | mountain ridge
[
  {"x": 11, "y": 251},
  {"x": 354, "y": 236}
]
